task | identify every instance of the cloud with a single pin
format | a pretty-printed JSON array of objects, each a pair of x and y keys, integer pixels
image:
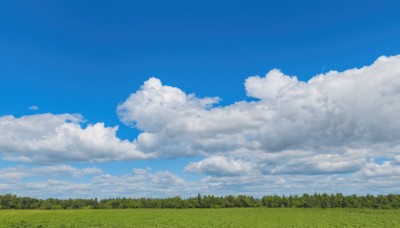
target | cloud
[
  {"x": 33, "y": 108},
  {"x": 13, "y": 173},
  {"x": 46, "y": 181},
  {"x": 20, "y": 173},
  {"x": 5, "y": 186},
  {"x": 317, "y": 164},
  {"x": 386, "y": 169},
  {"x": 57, "y": 170},
  {"x": 54, "y": 189},
  {"x": 61, "y": 138},
  {"x": 141, "y": 183},
  {"x": 270, "y": 86},
  {"x": 65, "y": 170},
  {"x": 59, "y": 181},
  {"x": 92, "y": 171},
  {"x": 332, "y": 123},
  {"x": 162, "y": 102},
  {"x": 63, "y": 181},
  {"x": 219, "y": 165}
]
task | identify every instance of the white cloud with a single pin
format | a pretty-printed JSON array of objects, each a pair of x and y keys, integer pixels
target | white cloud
[
  {"x": 60, "y": 138},
  {"x": 55, "y": 189},
  {"x": 55, "y": 181},
  {"x": 35, "y": 182},
  {"x": 330, "y": 126},
  {"x": 92, "y": 171},
  {"x": 270, "y": 86},
  {"x": 65, "y": 170},
  {"x": 13, "y": 173},
  {"x": 33, "y": 108},
  {"x": 386, "y": 169},
  {"x": 54, "y": 171},
  {"x": 219, "y": 165},
  {"x": 318, "y": 164},
  {"x": 332, "y": 123},
  {"x": 5, "y": 186},
  {"x": 162, "y": 103},
  {"x": 57, "y": 170},
  {"x": 141, "y": 183},
  {"x": 397, "y": 159}
]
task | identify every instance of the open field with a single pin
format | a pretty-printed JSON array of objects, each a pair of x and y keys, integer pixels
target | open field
[{"x": 236, "y": 217}]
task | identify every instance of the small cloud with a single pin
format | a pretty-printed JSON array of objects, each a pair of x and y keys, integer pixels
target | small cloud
[
  {"x": 5, "y": 187},
  {"x": 33, "y": 108},
  {"x": 17, "y": 158},
  {"x": 220, "y": 166},
  {"x": 91, "y": 171}
]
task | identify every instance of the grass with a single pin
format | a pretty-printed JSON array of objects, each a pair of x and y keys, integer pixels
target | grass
[{"x": 236, "y": 217}]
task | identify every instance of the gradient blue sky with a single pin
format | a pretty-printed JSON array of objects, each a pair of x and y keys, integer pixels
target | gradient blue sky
[{"x": 87, "y": 57}]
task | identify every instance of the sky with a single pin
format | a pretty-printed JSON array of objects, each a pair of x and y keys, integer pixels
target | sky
[{"x": 174, "y": 98}]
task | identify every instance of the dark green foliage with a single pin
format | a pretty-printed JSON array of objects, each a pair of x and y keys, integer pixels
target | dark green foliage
[{"x": 338, "y": 200}]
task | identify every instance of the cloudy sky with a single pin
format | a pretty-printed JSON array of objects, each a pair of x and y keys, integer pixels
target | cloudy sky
[{"x": 164, "y": 98}]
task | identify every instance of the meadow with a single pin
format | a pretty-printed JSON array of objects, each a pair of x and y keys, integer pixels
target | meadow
[{"x": 226, "y": 217}]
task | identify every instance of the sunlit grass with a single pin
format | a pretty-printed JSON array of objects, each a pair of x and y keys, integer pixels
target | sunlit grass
[{"x": 235, "y": 217}]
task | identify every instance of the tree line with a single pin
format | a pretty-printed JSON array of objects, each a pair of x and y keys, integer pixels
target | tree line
[{"x": 391, "y": 201}]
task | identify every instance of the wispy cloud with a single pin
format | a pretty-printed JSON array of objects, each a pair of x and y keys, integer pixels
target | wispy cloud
[{"x": 33, "y": 108}]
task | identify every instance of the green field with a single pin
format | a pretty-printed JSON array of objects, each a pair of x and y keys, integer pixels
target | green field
[{"x": 237, "y": 217}]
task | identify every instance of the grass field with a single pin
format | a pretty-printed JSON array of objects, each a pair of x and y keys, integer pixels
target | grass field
[{"x": 236, "y": 217}]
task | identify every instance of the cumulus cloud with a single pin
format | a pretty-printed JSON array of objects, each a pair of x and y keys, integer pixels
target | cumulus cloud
[
  {"x": 55, "y": 189},
  {"x": 141, "y": 183},
  {"x": 46, "y": 181},
  {"x": 317, "y": 164},
  {"x": 386, "y": 169},
  {"x": 39, "y": 182},
  {"x": 162, "y": 103},
  {"x": 332, "y": 123},
  {"x": 64, "y": 181},
  {"x": 61, "y": 138},
  {"x": 178, "y": 124},
  {"x": 270, "y": 86},
  {"x": 219, "y": 165}
]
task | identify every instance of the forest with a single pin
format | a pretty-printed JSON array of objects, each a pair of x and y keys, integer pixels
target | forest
[{"x": 338, "y": 200}]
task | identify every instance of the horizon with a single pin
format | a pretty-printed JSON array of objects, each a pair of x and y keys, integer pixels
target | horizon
[
  {"x": 208, "y": 195},
  {"x": 164, "y": 99}
]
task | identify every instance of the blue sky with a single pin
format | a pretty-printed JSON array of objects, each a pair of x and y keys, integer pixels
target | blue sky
[{"x": 78, "y": 62}]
